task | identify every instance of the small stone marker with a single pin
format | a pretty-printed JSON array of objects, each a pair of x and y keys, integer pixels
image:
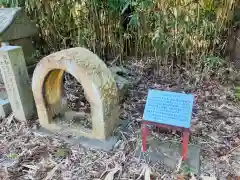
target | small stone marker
[
  {"x": 171, "y": 110},
  {"x": 17, "y": 83},
  {"x": 5, "y": 108}
]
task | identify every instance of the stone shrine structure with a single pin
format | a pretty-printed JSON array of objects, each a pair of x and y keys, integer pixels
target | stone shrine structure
[
  {"x": 16, "y": 29},
  {"x": 97, "y": 81}
]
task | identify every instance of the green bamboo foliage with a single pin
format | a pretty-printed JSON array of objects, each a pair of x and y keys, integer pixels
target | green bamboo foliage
[
  {"x": 183, "y": 32},
  {"x": 11, "y": 3},
  {"x": 191, "y": 31}
]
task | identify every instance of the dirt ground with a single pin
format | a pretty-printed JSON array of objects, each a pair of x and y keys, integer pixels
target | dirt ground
[{"x": 215, "y": 129}]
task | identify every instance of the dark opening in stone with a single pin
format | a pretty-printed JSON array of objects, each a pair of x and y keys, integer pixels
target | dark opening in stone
[{"x": 76, "y": 101}]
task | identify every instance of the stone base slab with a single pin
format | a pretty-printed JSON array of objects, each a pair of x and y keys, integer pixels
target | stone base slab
[
  {"x": 105, "y": 145},
  {"x": 170, "y": 155}
]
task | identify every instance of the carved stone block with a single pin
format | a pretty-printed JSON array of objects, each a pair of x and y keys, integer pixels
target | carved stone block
[
  {"x": 16, "y": 81},
  {"x": 97, "y": 81}
]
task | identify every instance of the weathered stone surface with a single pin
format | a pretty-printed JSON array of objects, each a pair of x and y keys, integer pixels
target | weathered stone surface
[
  {"x": 29, "y": 50},
  {"x": 122, "y": 83},
  {"x": 16, "y": 81},
  {"x": 5, "y": 108},
  {"x": 170, "y": 153},
  {"x": 2, "y": 45},
  {"x": 107, "y": 144},
  {"x": 3, "y": 92},
  {"x": 15, "y": 29},
  {"x": 30, "y": 70},
  {"x": 15, "y": 24},
  {"x": 1, "y": 79},
  {"x": 98, "y": 84}
]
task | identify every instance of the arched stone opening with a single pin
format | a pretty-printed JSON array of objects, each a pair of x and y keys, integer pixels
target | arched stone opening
[
  {"x": 96, "y": 79},
  {"x": 77, "y": 103},
  {"x": 58, "y": 85}
]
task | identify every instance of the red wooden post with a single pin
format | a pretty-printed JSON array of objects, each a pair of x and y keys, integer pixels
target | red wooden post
[
  {"x": 144, "y": 136},
  {"x": 185, "y": 139},
  {"x": 185, "y": 136}
]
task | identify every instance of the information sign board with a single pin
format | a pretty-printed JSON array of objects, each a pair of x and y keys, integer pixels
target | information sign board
[{"x": 169, "y": 108}]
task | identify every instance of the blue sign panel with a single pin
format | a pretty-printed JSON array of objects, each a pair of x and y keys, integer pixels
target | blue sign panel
[{"x": 169, "y": 108}]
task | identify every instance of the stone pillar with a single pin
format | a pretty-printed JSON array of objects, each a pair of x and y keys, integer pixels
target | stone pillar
[
  {"x": 17, "y": 83},
  {"x": 1, "y": 79},
  {"x": 2, "y": 45}
]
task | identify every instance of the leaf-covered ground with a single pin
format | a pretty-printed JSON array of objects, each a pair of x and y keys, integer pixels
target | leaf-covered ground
[{"x": 215, "y": 129}]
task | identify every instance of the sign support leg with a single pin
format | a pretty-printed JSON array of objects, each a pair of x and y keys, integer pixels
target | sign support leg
[
  {"x": 185, "y": 139},
  {"x": 144, "y": 137}
]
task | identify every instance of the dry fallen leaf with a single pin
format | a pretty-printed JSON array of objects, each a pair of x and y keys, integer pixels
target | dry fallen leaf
[
  {"x": 180, "y": 177},
  {"x": 112, "y": 172},
  {"x": 208, "y": 177},
  {"x": 147, "y": 173},
  {"x": 3, "y": 174},
  {"x": 51, "y": 173},
  {"x": 179, "y": 165},
  {"x": 193, "y": 177}
]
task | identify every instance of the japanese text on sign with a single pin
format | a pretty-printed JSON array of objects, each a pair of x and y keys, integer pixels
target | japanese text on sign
[{"x": 169, "y": 108}]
